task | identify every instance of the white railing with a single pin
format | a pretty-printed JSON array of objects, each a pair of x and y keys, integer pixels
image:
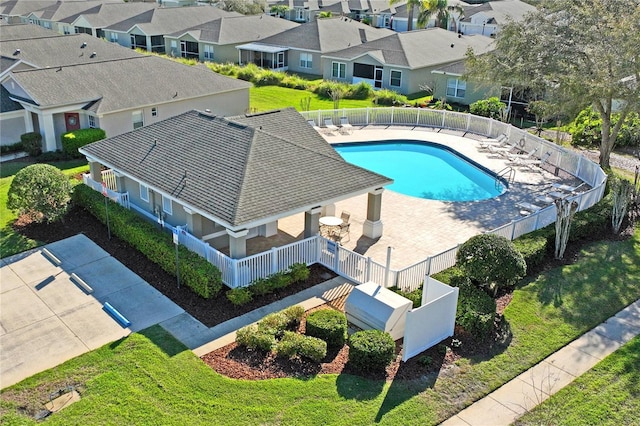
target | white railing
[
  {"x": 109, "y": 177},
  {"x": 358, "y": 268}
]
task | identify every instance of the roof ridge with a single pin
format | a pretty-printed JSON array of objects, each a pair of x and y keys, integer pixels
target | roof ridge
[{"x": 82, "y": 64}]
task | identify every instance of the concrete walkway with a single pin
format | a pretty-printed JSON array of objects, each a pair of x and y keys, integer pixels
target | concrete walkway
[{"x": 507, "y": 403}]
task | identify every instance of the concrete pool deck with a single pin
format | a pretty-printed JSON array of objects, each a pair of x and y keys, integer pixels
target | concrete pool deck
[{"x": 417, "y": 228}]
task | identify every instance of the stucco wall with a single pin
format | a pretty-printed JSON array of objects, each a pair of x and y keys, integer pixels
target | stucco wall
[{"x": 13, "y": 125}]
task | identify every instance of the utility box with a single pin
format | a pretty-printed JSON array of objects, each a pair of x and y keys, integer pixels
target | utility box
[{"x": 371, "y": 306}]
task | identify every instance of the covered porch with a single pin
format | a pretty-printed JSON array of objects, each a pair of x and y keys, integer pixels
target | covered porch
[{"x": 275, "y": 58}]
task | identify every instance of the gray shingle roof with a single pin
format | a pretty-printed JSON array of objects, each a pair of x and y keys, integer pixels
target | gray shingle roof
[
  {"x": 6, "y": 63},
  {"x": 6, "y": 104},
  {"x": 141, "y": 81},
  {"x": 327, "y": 35},
  {"x": 236, "y": 173},
  {"x": 238, "y": 29},
  {"x": 419, "y": 49},
  {"x": 112, "y": 13},
  {"x": 500, "y": 11},
  {"x": 25, "y": 31},
  {"x": 63, "y": 11},
  {"x": 162, "y": 21},
  {"x": 64, "y": 50}
]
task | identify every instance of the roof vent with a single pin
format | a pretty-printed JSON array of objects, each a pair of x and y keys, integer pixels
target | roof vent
[
  {"x": 208, "y": 111},
  {"x": 452, "y": 45},
  {"x": 16, "y": 52},
  {"x": 459, "y": 35},
  {"x": 93, "y": 55},
  {"x": 83, "y": 45}
]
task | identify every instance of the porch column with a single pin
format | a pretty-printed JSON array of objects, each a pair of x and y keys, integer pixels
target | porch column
[
  {"x": 311, "y": 222},
  {"x": 120, "y": 182},
  {"x": 28, "y": 121},
  {"x": 48, "y": 132},
  {"x": 95, "y": 170},
  {"x": 194, "y": 222},
  {"x": 372, "y": 227},
  {"x": 238, "y": 243}
]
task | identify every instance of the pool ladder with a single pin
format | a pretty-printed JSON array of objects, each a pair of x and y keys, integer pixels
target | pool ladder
[{"x": 508, "y": 173}]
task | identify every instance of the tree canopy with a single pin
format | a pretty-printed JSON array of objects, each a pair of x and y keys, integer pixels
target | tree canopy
[{"x": 573, "y": 53}]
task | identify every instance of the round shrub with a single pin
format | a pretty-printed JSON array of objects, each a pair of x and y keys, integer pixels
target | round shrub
[
  {"x": 492, "y": 261},
  {"x": 328, "y": 325},
  {"x": 41, "y": 191},
  {"x": 476, "y": 309},
  {"x": 252, "y": 337},
  {"x": 371, "y": 350}
]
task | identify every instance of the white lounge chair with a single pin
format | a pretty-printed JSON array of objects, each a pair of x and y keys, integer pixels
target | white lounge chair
[
  {"x": 514, "y": 157},
  {"x": 501, "y": 139},
  {"x": 328, "y": 124},
  {"x": 345, "y": 127},
  {"x": 529, "y": 207},
  {"x": 566, "y": 188},
  {"x": 315, "y": 127},
  {"x": 499, "y": 150},
  {"x": 531, "y": 162}
]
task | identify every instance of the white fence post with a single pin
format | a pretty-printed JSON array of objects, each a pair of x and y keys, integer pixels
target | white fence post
[
  {"x": 367, "y": 119},
  {"x": 392, "y": 110},
  {"x": 468, "y": 121},
  {"x": 234, "y": 273},
  {"x": 513, "y": 229},
  {"x": 418, "y": 117},
  {"x": 367, "y": 273},
  {"x": 274, "y": 260},
  {"x": 444, "y": 115}
]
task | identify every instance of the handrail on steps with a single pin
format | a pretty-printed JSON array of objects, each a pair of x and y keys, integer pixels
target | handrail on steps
[{"x": 510, "y": 174}]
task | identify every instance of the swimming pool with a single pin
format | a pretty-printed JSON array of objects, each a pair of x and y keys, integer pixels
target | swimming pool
[{"x": 424, "y": 170}]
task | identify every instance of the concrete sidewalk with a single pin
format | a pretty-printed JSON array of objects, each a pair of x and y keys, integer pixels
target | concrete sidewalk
[{"x": 507, "y": 403}]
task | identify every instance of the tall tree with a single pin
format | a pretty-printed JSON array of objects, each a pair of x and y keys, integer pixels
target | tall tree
[
  {"x": 439, "y": 9},
  {"x": 411, "y": 5},
  {"x": 575, "y": 53}
]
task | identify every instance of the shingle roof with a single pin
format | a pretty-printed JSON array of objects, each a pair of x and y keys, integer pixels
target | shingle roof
[
  {"x": 141, "y": 81},
  {"x": 500, "y": 11},
  {"x": 25, "y": 31},
  {"x": 162, "y": 21},
  {"x": 419, "y": 49},
  {"x": 238, "y": 29},
  {"x": 112, "y": 13},
  {"x": 327, "y": 35},
  {"x": 236, "y": 173},
  {"x": 6, "y": 63},
  {"x": 64, "y": 50},
  {"x": 23, "y": 7},
  {"x": 6, "y": 104},
  {"x": 63, "y": 11}
]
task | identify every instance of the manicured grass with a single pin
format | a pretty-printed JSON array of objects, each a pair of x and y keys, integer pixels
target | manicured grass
[
  {"x": 608, "y": 394},
  {"x": 149, "y": 377},
  {"x": 273, "y": 97},
  {"x": 11, "y": 242}
]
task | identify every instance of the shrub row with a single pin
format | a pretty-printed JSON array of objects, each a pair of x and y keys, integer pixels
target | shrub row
[
  {"x": 31, "y": 143},
  {"x": 263, "y": 286},
  {"x": 14, "y": 147},
  {"x": 195, "y": 272},
  {"x": 72, "y": 141},
  {"x": 328, "y": 325}
]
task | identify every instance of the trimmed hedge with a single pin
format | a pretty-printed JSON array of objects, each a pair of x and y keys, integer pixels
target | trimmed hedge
[
  {"x": 265, "y": 334},
  {"x": 195, "y": 272},
  {"x": 72, "y": 141},
  {"x": 476, "y": 310},
  {"x": 32, "y": 143},
  {"x": 295, "y": 345},
  {"x": 14, "y": 147},
  {"x": 371, "y": 350},
  {"x": 252, "y": 337},
  {"x": 415, "y": 296},
  {"x": 328, "y": 325}
]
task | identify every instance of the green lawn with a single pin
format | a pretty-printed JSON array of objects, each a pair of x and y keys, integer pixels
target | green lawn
[
  {"x": 149, "y": 377},
  {"x": 273, "y": 97},
  {"x": 11, "y": 242},
  {"x": 608, "y": 394}
]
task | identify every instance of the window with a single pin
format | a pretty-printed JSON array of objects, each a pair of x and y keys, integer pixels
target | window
[
  {"x": 396, "y": 78},
  {"x": 137, "y": 118},
  {"x": 456, "y": 88},
  {"x": 189, "y": 49},
  {"x": 157, "y": 44},
  {"x": 338, "y": 70},
  {"x": 208, "y": 52},
  {"x": 144, "y": 193},
  {"x": 299, "y": 14},
  {"x": 363, "y": 70},
  {"x": 66, "y": 30},
  {"x": 138, "y": 42},
  {"x": 306, "y": 60},
  {"x": 92, "y": 121},
  {"x": 166, "y": 205},
  {"x": 154, "y": 111},
  {"x": 113, "y": 37}
]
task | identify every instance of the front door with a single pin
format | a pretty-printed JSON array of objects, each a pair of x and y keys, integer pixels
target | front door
[
  {"x": 377, "y": 79},
  {"x": 72, "y": 121}
]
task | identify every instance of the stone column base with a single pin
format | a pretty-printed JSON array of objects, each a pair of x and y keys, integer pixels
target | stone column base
[{"x": 372, "y": 229}]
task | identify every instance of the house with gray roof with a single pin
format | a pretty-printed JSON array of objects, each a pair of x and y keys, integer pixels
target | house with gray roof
[
  {"x": 147, "y": 30},
  {"x": 14, "y": 11},
  {"x": 94, "y": 21},
  {"x": 302, "y": 11},
  {"x": 404, "y": 62},
  {"x": 216, "y": 40},
  {"x": 58, "y": 15},
  {"x": 231, "y": 179},
  {"x": 300, "y": 49},
  {"x": 487, "y": 18}
]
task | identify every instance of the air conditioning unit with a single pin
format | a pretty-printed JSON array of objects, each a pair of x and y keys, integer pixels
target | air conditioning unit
[{"x": 373, "y": 307}]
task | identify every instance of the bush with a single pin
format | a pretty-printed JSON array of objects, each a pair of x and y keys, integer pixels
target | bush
[
  {"x": 371, "y": 350},
  {"x": 253, "y": 338},
  {"x": 195, "y": 272},
  {"x": 325, "y": 88},
  {"x": 389, "y": 98},
  {"x": 476, "y": 309},
  {"x": 328, "y": 325},
  {"x": 448, "y": 274},
  {"x": 294, "y": 314},
  {"x": 534, "y": 247},
  {"x": 294, "y": 82},
  {"x": 297, "y": 345},
  {"x": 32, "y": 143},
  {"x": 586, "y": 129},
  {"x": 359, "y": 91},
  {"x": 72, "y": 141},
  {"x": 261, "y": 287},
  {"x": 299, "y": 272},
  {"x": 415, "y": 296},
  {"x": 275, "y": 323},
  {"x": 491, "y": 260},
  {"x": 50, "y": 156},
  {"x": 268, "y": 285},
  {"x": 269, "y": 78},
  {"x": 41, "y": 191},
  {"x": 15, "y": 147},
  {"x": 239, "y": 296},
  {"x": 248, "y": 72},
  {"x": 491, "y": 107}
]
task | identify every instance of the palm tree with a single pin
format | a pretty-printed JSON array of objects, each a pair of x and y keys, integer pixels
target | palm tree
[
  {"x": 411, "y": 4},
  {"x": 438, "y": 8}
]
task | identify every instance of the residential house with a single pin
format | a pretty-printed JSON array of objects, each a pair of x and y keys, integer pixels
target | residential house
[
  {"x": 302, "y": 11},
  {"x": 147, "y": 30},
  {"x": 404, "y": 62},
  {"x": 400, "y": 18},
  {"x": 300, "y": 49},
  {"x": 217, "y": 40},
  {"x": 94, "y": 21},
  {"x": 14, "y": 11},
  {"x": 63, "y": 83},
  {"x": 58, "y": 16},
  {"x": 487, "y": 18},
  {"x": 231, "y": 179}
]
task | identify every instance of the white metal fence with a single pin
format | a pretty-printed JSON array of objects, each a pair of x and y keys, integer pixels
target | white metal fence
[{"x": 359, "y": 268}]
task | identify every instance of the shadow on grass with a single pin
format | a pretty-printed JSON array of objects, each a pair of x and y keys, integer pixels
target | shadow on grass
[
  {"x": 163, "y": 340},
  {"x": 401, "y": 391},
  {"x": 354, "y": 387}
]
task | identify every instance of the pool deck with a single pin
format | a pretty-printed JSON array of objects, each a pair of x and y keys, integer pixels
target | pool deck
[{"x": 416, "y": 228}]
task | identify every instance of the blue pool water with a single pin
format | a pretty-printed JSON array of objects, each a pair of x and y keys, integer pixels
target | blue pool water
[{"x": 424, "y": 170}]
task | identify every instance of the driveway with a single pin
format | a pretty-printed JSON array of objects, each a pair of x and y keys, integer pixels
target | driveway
[{"x": 47, "y": 317}]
